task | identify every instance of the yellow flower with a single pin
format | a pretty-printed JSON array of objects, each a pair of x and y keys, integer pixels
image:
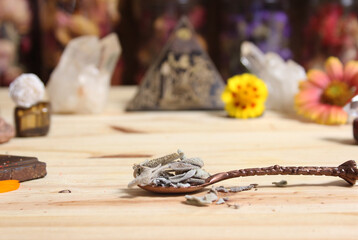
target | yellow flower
[{"x": 245, "y": 96}]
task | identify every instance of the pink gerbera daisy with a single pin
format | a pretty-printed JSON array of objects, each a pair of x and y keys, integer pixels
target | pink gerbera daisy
[{"x": 322, "y": 95}]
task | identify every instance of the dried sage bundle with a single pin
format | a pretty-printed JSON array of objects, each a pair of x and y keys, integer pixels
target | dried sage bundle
[
  {"x": 205, "y": 200},
  {"x": 236, "y": 188},
  {"x": 282, "y": 183},
  {"x": 173, "y": 170}
]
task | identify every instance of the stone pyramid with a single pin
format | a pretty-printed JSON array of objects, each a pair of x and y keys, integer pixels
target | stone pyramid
[{"x": 182, "y": 77}]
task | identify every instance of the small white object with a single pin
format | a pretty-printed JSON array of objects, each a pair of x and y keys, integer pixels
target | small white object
[{"x": 27, "y": 90}]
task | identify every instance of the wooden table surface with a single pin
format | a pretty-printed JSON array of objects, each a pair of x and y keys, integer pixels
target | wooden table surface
[{"x": 92, "y": 155}]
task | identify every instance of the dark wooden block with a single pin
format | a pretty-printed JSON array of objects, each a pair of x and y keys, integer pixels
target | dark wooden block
[{"x": 21, "y": 168}]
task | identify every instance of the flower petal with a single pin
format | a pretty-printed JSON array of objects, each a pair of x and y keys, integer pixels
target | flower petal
[
  {"x": 350, "y": 71},
  {"x": 332, "y": 115},
  {"x": 324, "y": 115},
  {"x": 320, "y": 108},
  {"x": 354, "y": 82},
  {"x": 226, "y": 96},
  {"x": 230, "y": 109},
  {"x": 309, "y": 110},
  {"x": 337, "y": 116},
  {"x": 334, "y": 68},
  {"x": 233, "y": 83},
  {"x": 303, "y": 85},
  {"x": 308, "y": 95},
  {"x": 343, "y": 116},
  {"x": 318, "y": 78}
]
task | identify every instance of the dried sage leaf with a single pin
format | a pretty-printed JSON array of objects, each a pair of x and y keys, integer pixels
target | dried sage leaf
[
  {"x": 161, "y": 181},
  {"x": 194, "y": 161},
  {"x": 211, "y": 197},
  {"x": 236, "y": 188},
  {"x": 147, "y": 176},
  {"x": 222, "y": 189},
  {"x": 161, "y": 161},
  {"x": 244, "y": 188},
  {"x": 183, "y": 185},
  {"x": 196, "y": 201},
  {"x": 180, "y": 166},
  {"x": 282, "y": 183},
  {"x": 182, "y": 177},
  {"x": 173, "y": 170},
  {"x": 220, "y": 201},
  {"x": 181, "y": 154},
  {"x": 234, "y": 206},
  {"x": 196, "y": 181},
  {"x": 204, "y": 200},
  {"x": 200, "y": 173}
]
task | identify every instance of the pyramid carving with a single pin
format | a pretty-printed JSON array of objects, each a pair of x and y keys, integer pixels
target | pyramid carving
[{"x": 183, "y": 77}]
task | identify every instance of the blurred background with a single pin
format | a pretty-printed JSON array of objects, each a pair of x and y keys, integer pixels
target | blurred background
[{"x": 33, "y": 33}]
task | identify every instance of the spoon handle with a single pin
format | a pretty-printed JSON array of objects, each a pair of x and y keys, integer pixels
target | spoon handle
[{"x": 347, "y": 171}]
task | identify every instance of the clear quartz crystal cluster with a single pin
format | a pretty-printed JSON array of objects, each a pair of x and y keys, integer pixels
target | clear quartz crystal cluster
[
  {"x": 173, "y": 170},
  {"x": 282, "y": 78},
  {"x": 81, "y": 81}
]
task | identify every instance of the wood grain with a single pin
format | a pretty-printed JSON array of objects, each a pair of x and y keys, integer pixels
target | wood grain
[
  {"x": 126, "y": 130},
  {"x": 126, "y": 155},
  {"x": 101, "y": 207}
]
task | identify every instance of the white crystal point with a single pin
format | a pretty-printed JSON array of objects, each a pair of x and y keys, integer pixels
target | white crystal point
[
  {"x": 80, "y": 82},
  {"x": 282, "y": 78},
  {"x": 252, "y": 57},
  {"x": 27, "y": 90}
]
